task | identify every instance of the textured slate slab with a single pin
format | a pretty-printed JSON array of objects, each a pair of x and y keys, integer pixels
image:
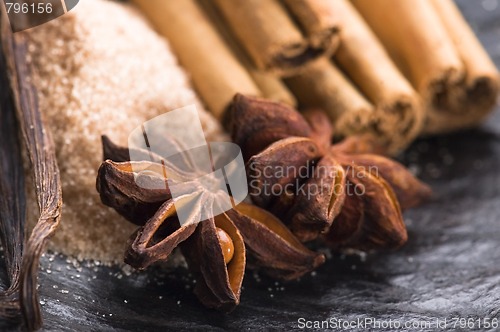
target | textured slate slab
[{"x": 450, "y": 267}]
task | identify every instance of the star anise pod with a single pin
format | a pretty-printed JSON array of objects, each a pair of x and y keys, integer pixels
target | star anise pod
[
  {"x": 215, "y": 248},
  {"x": 346, "y": 193}
]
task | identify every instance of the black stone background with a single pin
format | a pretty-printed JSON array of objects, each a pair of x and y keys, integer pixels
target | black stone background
[{"x": 450, "y": 267}]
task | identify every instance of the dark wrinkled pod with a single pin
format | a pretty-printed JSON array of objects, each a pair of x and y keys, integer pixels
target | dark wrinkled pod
[
  {"x": 117, "y": 184},
  {"x": 318, "y": 201},
  {"x": 256, "y": 123},
  {"x": 409, "y": 191},
  {"x": 321, "y": 128},
  {"x": 156, "y": 240},
  {"x": 272, "y": 245},
  {"x": 216, "y": 254},
  {"x": 380, "y": 224},
  {"x": 276, "y": 168}
]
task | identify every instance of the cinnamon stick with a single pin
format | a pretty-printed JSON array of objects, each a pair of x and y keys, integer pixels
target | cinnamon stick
[
  {"x": 269, "y": 35},
  {"x": 322, "y": 85},
  {"x": 418, "y": 42},
  {"x": 318, "y": 21},
  {"x": 436, "y": 49},
  {"x": 216, "y": 73},
  {"x": 271, "y": 86},
  {"x": 398, "y": 114},
  {"x": 482, "y": 82}
]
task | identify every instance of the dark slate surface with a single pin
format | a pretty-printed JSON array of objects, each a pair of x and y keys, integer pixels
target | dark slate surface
[{"x": 450, "y": 267}]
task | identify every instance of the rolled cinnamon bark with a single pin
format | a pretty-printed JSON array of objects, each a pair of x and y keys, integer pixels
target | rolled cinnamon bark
[
  {"x": 398, "y": 114},
  {"x": 318, "y": 21},
  {"x": 269, "y": 35},
  {"x": 271, "y": 86},
  {"x": 481, "y": 81},
  {"x": 322, "y": 85},
  {"x": 214, "y": 69},
  {"x": 436, "y": 49},
  {"x": 418, "y": 42}
]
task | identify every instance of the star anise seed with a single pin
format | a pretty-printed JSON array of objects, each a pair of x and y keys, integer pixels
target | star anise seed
[
  {"x": 365, "y": 220},
  {"x": 215, "y": 248}
]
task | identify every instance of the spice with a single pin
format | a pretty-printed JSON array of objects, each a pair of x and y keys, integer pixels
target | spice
[
  {"x": 216, "y": 73},
  {"x": 326, "y": 196},
  {"x": 398, "y": 115},
  {"x": 323, "y": 85},
  {"x": 270, "y": 85},
  {"x": 101, "y": 69},
  {"x": 378, "y": 101},
  {"x": 22, "y": 296},
  {"x": 12, "y": 200},
  {"x": 317, "y": 19},
  {"x": 214, "y": 247},
  {"x": 439, "y": 54},
  {"x": 435, "y": 72},
  {"x": 271, "y": 38}
]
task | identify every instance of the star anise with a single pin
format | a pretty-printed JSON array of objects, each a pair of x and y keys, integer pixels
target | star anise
[
  {"x": 214, "y": 248},
  {"x": 346, "y": 193}
]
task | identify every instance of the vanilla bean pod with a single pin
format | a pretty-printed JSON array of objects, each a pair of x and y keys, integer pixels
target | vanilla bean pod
[
  {"x": 12, "y": 199},
  {"x": 40, "y": 150}
]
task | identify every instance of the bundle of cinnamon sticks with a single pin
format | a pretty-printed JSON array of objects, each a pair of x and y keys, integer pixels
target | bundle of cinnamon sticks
[{"x": 392, "y": 69}]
